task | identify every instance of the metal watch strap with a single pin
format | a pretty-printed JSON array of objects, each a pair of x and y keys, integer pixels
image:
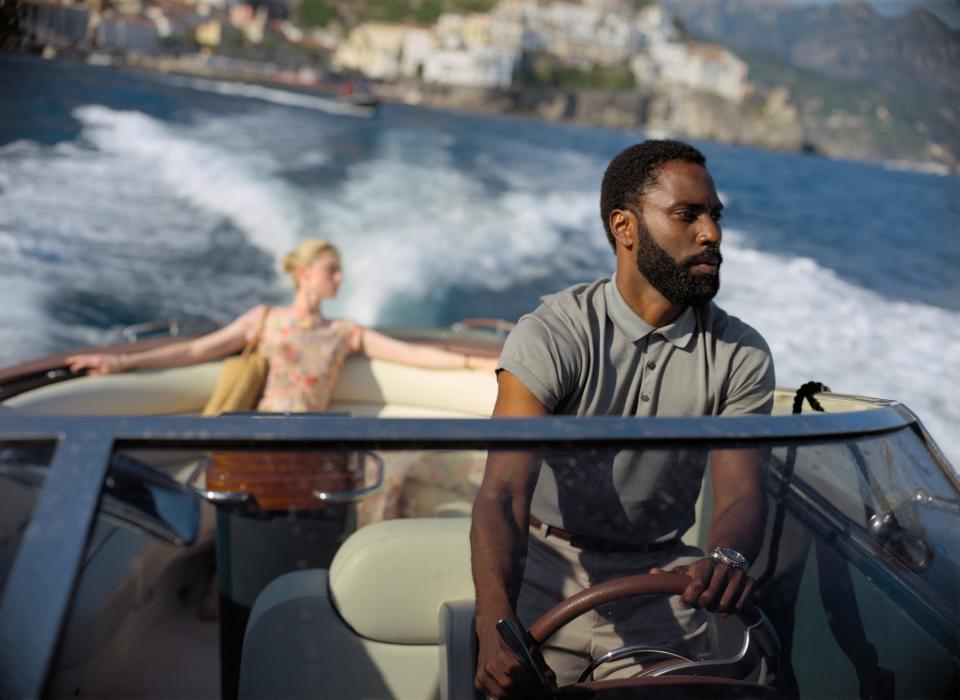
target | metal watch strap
[{"x": 731, "y": 557}]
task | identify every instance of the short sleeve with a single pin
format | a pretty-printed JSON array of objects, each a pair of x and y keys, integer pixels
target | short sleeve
[
  {"x": 752, "y": 380},
  {"x": 542, "y": 359},
  {"x": 250, "y": 321},
  {"x": 355, "y": 336}
]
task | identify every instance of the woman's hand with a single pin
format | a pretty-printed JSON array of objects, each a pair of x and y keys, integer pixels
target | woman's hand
[{"x": 98, "y": 364}]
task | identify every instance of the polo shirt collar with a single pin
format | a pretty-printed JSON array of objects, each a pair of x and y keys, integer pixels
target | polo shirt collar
[{"x": 679, "y": 332}]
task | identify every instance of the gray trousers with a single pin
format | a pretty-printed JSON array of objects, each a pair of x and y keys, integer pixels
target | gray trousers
[{"x": 556, "y": 570}]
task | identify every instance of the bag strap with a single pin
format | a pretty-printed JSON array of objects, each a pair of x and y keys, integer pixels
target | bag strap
[{"x": 255, "y": 340}]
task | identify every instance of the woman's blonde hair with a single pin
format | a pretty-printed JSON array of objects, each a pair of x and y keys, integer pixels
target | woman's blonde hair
[{"x": 306, "y": 253}]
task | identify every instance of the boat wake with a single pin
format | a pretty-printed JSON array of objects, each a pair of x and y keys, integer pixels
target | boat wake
[
  {"x": 277, "y": 96},
  {"x": 152, "y": 218}
]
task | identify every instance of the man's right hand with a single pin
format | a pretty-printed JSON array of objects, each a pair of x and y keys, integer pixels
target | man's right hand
[
  {"x": 498, "y": 546},
  {"x": 500, "y": 674}
]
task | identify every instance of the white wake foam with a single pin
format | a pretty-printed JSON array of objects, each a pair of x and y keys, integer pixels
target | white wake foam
[
  {"x": 821, "y": 327},
  {"x": 276, "y": 96},
  {"x": 239, "y": 187},
  {"x": 418, "y": 228},
  {"x": 413, "y": 223}
]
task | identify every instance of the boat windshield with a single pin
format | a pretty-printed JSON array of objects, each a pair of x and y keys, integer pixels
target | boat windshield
[{"x": 859, "y": 568}]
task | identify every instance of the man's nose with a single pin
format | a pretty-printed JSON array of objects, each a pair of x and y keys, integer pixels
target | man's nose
[{"x": 709, "y": 233}]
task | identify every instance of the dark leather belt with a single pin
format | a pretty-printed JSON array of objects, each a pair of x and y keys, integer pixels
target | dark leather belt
[{"x": 598, "y": 543}]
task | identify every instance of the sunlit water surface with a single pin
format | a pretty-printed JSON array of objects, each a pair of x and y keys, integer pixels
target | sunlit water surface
[{"x": 126, "y": 197}]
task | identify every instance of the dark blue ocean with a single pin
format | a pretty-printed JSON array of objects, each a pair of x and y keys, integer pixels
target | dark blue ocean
[{"x": 127, "y": 197}]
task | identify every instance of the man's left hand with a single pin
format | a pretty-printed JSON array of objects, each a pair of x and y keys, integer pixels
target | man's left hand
[{"x": 716, "y": 586}]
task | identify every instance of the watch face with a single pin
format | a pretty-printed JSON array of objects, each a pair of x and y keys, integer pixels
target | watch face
[{"x": 732, "y": 554}]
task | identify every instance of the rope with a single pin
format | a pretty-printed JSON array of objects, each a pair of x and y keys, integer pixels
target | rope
[{"x": 806, "y": 392}]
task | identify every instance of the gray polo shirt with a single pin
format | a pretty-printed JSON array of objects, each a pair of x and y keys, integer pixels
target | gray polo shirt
[{"x": 585, "y": 352}]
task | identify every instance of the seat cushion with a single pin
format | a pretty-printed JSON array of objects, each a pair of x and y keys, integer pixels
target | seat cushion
[
  {"x": 423, "y": 562},
  {"x": 296, "y": 646}
]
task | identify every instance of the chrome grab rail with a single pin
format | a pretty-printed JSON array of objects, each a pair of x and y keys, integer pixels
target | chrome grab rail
[
  {"x": 215, "y": 497},
  {"x": 499, "y": 326},
  {"x": 355, "y": 495},
  {"x": 244, "y": 498},
  {"x": 171, "y": 327},
  {"x": 925, "y": 498}
]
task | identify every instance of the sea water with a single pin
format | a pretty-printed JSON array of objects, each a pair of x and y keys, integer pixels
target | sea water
[{"x": 127, "y": 197}]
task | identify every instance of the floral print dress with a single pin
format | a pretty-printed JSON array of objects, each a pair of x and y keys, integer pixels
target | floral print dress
[{"x": 306, "y": 356}]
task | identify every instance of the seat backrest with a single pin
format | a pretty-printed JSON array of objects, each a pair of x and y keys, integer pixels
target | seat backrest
[
  {"x": 366, "y": 384},
  {"x": 366, "y": 387},
  {"x": 175, "y": 390},
  {"x": 422, "y": 562}
]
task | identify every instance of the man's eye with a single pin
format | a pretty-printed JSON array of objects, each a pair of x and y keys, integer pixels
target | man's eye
[
  {"x": 716, "y": 216},
  {"x": 688, "y": 215}
]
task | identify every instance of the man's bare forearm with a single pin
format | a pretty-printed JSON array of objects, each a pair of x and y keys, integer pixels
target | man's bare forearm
[
  {"x": 499, "y": 549},
  {"x": 740, "y": 526},
  {"x": 740, "y": 504}
]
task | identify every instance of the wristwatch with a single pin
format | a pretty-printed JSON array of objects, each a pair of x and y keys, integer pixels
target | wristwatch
[{"x": 731, "y": 557}]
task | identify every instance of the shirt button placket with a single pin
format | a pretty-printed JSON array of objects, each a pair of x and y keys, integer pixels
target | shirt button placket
[
  {"x": 642, "y": 405},
  {"x": 648, "y": 377}
]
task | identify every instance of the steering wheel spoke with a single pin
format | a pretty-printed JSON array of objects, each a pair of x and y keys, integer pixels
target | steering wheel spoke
[
  {"x": 758, "y": 650},
  {"x": 632, "y": 650}
]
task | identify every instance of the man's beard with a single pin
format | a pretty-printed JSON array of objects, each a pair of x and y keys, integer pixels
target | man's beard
[{"x": 673, "y": 279}]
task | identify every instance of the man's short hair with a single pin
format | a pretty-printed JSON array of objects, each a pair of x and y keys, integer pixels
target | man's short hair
[{"x": 634, "y": 172}]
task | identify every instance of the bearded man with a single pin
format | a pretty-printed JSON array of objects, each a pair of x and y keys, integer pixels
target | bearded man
[{"x": 647, "y": 342}]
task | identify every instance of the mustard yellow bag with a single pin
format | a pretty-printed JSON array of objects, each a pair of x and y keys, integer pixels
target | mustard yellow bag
[{"x": 241, "y": 380}]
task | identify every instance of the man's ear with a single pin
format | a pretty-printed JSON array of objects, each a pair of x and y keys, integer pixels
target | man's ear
[{"x": 623, "y": 226}]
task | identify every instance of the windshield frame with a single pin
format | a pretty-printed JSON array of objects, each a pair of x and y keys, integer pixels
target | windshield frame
[{"x": 47, "y": 565}]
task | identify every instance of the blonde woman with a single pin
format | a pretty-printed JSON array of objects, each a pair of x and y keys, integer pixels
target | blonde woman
[{"x": 306, "y": 349}]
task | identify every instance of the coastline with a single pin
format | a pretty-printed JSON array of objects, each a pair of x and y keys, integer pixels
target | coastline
[{"x": 767, "y": 122}]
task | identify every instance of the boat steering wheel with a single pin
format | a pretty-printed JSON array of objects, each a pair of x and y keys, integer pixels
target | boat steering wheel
[{"x": 677, "y": 674}]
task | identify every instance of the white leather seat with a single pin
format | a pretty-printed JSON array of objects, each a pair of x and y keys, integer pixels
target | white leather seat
[
  {"x": 370, "y": 627},
  {"x": 366, "y": 388},
  {"x": 119, "y": 572}
]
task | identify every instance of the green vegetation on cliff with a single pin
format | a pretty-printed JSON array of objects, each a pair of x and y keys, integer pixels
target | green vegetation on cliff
[
  {"x": 546, "y": 70},
  {"x": 322, "y": 12}
]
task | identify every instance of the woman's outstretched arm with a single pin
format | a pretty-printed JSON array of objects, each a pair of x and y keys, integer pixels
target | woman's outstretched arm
[
  {"x": 382, "y": 347},
  {"x": 220, "y": 343}
]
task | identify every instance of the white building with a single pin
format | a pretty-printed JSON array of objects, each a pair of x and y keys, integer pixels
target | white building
[
  {"x": 418, "y": 45},
  {"x": 374, "y": 49},
  {"x": 644, "y": 68},
  {"x": 582, "y": 34},
  {"x": 705, "y": 67},
  {"x": 127, "y": 34},
  {"x": 386, "y": 51},
  {"x": 656, "y": 24},
  {"x": 479, "y": 66},
  {"x": 458, "y": 31}
]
